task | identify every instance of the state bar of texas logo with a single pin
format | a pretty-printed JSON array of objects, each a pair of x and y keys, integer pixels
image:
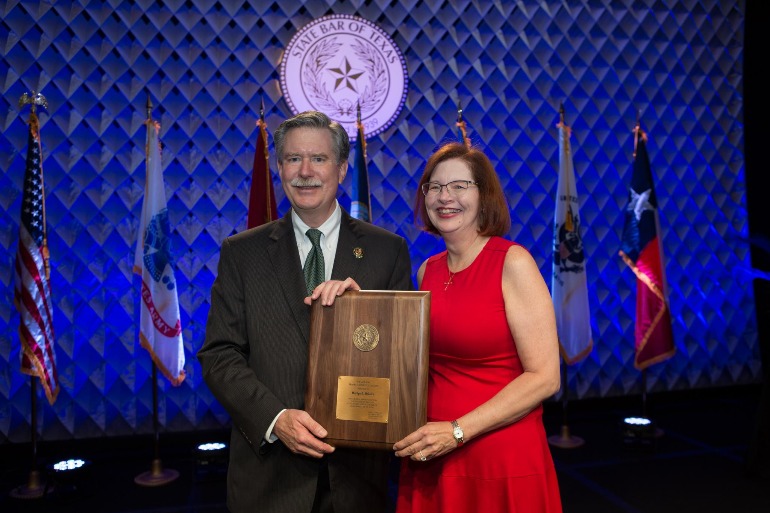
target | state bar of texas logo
[{"x": 340, "y": 61}]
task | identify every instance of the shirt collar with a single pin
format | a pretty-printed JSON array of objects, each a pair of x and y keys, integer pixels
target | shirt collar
[{"x": 329, "y": 226}]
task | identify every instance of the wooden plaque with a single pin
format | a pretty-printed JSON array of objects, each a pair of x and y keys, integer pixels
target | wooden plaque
[{"x": 367, "y": 373}]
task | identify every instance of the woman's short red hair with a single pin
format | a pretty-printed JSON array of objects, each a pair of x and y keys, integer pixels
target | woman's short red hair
[{"x": 494, "y": 215}]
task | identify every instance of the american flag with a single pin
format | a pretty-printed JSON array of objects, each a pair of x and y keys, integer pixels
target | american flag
[{"x": 32, "y": 289}]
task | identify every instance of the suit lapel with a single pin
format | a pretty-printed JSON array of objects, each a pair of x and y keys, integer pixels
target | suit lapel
[
  {"x": 349, "y": 245},
  {"x": 284, "y": 257}
]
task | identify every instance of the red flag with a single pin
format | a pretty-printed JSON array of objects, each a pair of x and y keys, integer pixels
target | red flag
[
  {"x": 262, "y": 207},
  {"x": 32, "y": 289},
  {"x": 640, "y": 249}
]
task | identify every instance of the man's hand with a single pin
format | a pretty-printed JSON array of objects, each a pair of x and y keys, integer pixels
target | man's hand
[
  {"x": 301, "y": 434},
  {"x": 328, "y": 291}
]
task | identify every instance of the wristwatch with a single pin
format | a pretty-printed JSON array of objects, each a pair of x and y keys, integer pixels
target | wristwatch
[{"x": 457, "y": 431}]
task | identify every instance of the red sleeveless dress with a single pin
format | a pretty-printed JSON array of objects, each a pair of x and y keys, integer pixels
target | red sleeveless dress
[{"x": 472, "y": 357}]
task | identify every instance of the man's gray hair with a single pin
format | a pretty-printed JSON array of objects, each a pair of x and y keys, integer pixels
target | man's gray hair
[{"x": 314, "y": 119}]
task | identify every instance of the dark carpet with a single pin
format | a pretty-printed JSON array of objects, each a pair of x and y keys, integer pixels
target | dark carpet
[{"x": 707, "y": 452}]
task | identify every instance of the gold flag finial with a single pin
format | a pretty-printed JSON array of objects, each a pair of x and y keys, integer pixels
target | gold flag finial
[
  {"x": 34, "y": 99},
  {"x": 461, "y": 124}
]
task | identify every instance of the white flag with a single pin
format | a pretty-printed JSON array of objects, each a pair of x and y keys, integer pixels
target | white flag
[
  {"x": 569, "y": 287},
  {"x": 160, "y": 328}
]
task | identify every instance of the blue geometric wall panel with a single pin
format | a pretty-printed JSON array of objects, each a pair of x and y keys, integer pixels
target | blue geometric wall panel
[{"x": 206, "y": 65}]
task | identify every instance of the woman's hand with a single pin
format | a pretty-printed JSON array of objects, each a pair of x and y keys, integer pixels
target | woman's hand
[
  {"x": 432, "y": 440},
  {"x": 328, "y": 291}
]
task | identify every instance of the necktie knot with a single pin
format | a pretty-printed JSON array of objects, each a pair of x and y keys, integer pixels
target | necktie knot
[
  {"x": 314, "y": 264},
  {"x": 315, "y": 237}
]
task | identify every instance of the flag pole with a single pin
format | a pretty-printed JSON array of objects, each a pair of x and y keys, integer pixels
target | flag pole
[
  {"x": 157, "y": 475},
  {"x": 564, "y": 440},
  {"x": 461, "y": 124},
  {"x": 637, "y": 135},
  {"x": 644, "y": 429},
  {"x": 35, "y": 486}
]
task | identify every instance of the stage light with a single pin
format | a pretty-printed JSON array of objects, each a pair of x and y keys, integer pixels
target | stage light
[
  {"x": 69, "y": 476},
  {"x": 211, "y": 460},
  {"x": 637, "y": 421},
  {"x": 638, "y": 430},
  {"x": 211, "y": 446},
  {"x": 68, "y": 465}
]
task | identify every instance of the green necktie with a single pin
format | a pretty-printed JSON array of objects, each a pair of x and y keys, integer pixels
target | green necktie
[{"x": 314, "y": 264}]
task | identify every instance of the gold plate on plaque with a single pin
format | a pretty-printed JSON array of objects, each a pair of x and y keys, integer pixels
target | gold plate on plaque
[{"x": 365, "y": 399}]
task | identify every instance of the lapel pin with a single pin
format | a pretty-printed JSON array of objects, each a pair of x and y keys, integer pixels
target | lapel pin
[{"x": 358, "y": 252}]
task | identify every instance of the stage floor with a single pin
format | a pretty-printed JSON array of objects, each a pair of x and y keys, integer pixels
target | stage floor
[{"x": 701, "y": 458}]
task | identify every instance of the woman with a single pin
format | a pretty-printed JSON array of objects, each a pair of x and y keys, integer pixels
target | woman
[{"x": 494, "y": 354}]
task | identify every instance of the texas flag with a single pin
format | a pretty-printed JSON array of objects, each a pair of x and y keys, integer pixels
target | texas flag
[{"x": 640, "y": 249}]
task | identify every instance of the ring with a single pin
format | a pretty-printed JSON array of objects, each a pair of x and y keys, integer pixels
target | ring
[{"x": 422, "y": 456}]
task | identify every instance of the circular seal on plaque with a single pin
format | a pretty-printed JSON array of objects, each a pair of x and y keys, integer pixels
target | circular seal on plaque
[
  {"x": 366, "y": 337},
  {"x": 339, "y": 61}
]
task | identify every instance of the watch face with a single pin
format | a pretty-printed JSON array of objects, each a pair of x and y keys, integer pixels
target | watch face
[{"x": 457, "y": 431}]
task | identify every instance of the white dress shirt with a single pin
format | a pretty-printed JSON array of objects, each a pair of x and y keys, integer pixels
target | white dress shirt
[{"x": 330, "y": 231}]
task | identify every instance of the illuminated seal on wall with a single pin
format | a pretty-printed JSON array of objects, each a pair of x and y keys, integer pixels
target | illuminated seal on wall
[{"x": 336, "y": 62}]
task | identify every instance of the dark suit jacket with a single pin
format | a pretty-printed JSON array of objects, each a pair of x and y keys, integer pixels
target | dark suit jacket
[{"x": 254, "y": 361}]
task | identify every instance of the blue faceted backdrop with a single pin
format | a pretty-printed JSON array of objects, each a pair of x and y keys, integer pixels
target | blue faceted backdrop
[{"x": 676, "y": 65}]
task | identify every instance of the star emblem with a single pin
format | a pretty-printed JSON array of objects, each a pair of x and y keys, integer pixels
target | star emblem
[
  {"x": 640, "y": 202},
  {"x": 346, "y": 76}
]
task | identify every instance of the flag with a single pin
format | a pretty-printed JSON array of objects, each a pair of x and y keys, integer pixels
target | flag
[
  {"x": 262, "y": 208},
  {"x": 640, "y": 249},
  {"x": 160, "y": 327},
  {"x": 569, "y": 286},
  {"x": 360, "y": 204},
  {"x": 32, "y": 286}
]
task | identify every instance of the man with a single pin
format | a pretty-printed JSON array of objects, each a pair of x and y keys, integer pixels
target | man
[{"x": 254, "y": 357}]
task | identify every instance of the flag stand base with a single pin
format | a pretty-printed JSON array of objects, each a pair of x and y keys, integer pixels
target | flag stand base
[
  {"x": 564, "y": 440},
  {"x": 34, "y": 489},
  {"x": 158, "y": 476}
]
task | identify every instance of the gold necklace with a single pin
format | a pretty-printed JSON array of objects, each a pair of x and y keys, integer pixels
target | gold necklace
[
  {"x": 452, "y": 274},
  {"x": 449, "y": 281}
]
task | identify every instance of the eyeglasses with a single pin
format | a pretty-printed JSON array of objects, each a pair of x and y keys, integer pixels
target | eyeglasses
[{"x": 454, "y": 188}]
